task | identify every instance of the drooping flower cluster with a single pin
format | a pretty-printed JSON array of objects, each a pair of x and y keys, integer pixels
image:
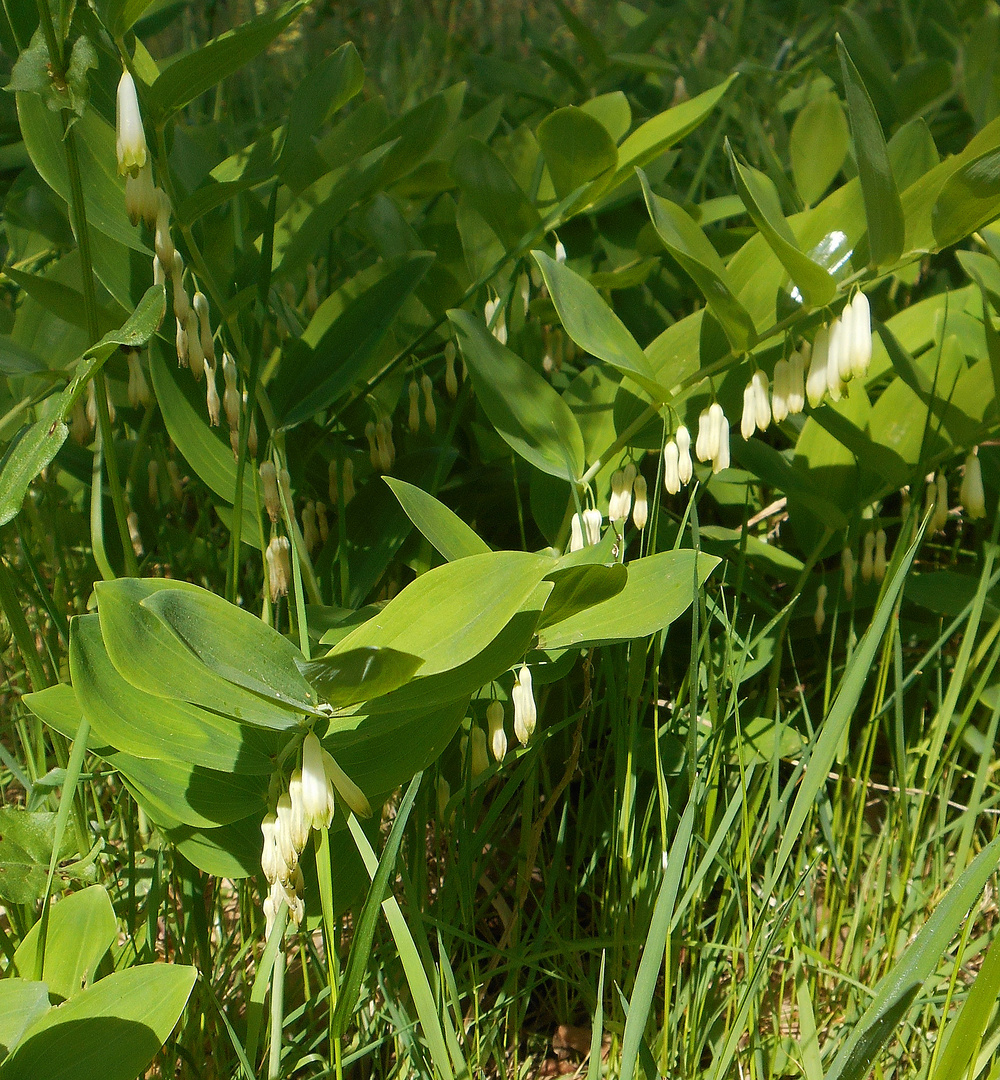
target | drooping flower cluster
[
  {"x": 309, "y": 803},
  {"x": 525, "y": 714},
  {"x": 381, "y": 448},
  {"x": 936, "y": 501},
  {"x": 585, "y": 529},
  {"x": 677, "y": 465},
  {"x": 496, "y": 319},
  {"x": 840, "y": 352},
  {"x": 756, "y": 405},
  {"x": 621, "y": 493}
]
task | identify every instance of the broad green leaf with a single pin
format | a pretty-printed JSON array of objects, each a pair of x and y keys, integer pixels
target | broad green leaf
[
  {"x": 234, "y": 644},
  {"x": 147, "y": 726},
  {"x": 82, "y": 927},
  {"x": 192, "y": 74},
  {"x": 60, "y": 299},
  {"x": 659, "y": 589},
  {"x": 212, "y": 194},
  {"x": 613, "y": 111},
  {"x": 969, "y": 199},
  {"x": 593, "y": 325},
  {"x": 26, "y": 839},
  {"x": 760, "y": 197},
  {"x": 576, "y": 588},
  {"x": 818, "y": 146},
  {"x": 527, "y": 413},
  {"x": 343, "y": 355},
  {"x": 360, "y": 674},
  {"x": 494, "y": 193},
  {"x": 147, "y": 653},
  {"x": 21, "y": 1004},
  {"x": 453, "y": 612},
  {"x": 415, "y": 135},
  {"x": 650, "y": 139},
  {"x": 58, "y": 708},
  {"x": 24, "y": 460},
  {"x": 324, "y": 90},
  {"x": 121, "y": 15},
  {"x": 897, "y": 989},
  {"x": 883, "y": 209},
  {"x": 693, "y": 250},
  {"x": 211, "y": 459},
  {"x": 441, "y": 526},
  {"x": 110, "y": 1031},
  {"x": 577, "y": 148}
]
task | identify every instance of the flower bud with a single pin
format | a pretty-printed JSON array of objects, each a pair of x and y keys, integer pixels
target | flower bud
[
  {"x": 140, "y": 196},
  {"x": 671, "y": 477},
  {"x": 312, "y": 296},
  {"x": 443, "y": 793},
  {"x": 748, "y": 421},
  {"x": 176, "y": 484},
  {"x": 879, "y": 562},
  {"x": 270, "y": 858},
  {"x": 231, "y": 396},
  {"x": 384, "y": 444},
  {"x": 847, "y": 562},
  {"x": 684, "y": 465},
  {"x": 346, "y": 787},
  {"x": 525, "y": 713},
  {"x": 211, "y": 394},
  {"x": 132, "y": 520},
  {"x": 479, "y": 760},
  {"x": 182, "y": 305},
  {"x": 159, "y": 274},
  {"x": 500, "y": 327},
  {"x": 845, "y": 346},
  {"x": 835, "y": 349},
  {"x": 702, "y": 440},
  {"x": 971, "y": 493},
  {"x": 153, "y": 472},
  {"x": 721, "y": 459},
  {"x": 524, "y": 288},
  {"x": 592, "y": 522},
  {"x": 640, "y": 511},
  {"x": 269, "y": 483},
  {"x": 310, "y": 533},
  {"x": 816, "y": 383},
  {"x": 196, "y": 354},
  {"x": 868, "y": 557},
  {"x": 861, "y": 336},
  {"x": 940, "y": 503},
  {"x": 779, "y": 391},
  {"x": 762, "y": 405},
  {"x": 498, "y": 737},
  {"x": 450, "y": 378},
  {"x": 414, "y": 417},
  {"x": 321, "y": 521},
  {"x": 299, "y": 824},
  {"x": 560, "y": 252},
  {"x": 182, "y": 344},
  {"x": 796, "y": 382},
  {"x": 139, "y": 395},
  {"x": 576, "y": 533},
  {"x": 279, "y": 566},
  {"x": 284, "y": 833},
  {"x": 200, "y": 304},
  {"x": 430, "y": 412},
  {"x": 819, "y": 616},
  {"x": 163, "y": 243},
  {"x": 131, "y": 139},
  {"x": 317, "y": 792}
]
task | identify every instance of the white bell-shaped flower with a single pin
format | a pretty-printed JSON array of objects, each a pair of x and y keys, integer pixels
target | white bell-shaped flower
[
  {"x": 299, "y": 824},
  {"x": 479, "y": 760},
  {"x": 762, "y": 405},
  {"x": 816, "y": 382},
  {"x": 640, "y": 509},
  {"x": 592, "y": 521},
  {"x": 721, "y": 431},
  {"x": 796, "y": 382},
  {"x": 671, "y": 475},
  {"x": 847, "y": 563},
  {"x": 748, "y": 421},
  {"x": 861, "y": 334},
  {"x": 317, "y": 792},
  {"x": 685, "y": 468},
  {"x": 779, "y": 390},
  {"x": 284, "y": 833},
  {"x": 819, "y": 615},
  {"x": 703, "y": 440},
  {"x": 868, "y": 557},
  {"x": 498, "y": 737},
  {"x": 131, "y": 139},
  {"x": 525, "y": 714},
  {"x": 576, "y": 533}
]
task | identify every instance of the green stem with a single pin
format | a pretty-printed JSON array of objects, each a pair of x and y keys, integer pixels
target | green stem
[
  {"x": 79, "y": 213},
  {"x": 277, "y": 1014},
  {"x": 19, "y": 628}
]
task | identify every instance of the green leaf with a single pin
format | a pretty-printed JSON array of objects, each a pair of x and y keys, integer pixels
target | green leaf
[
  {"x": 198, "y": 71},
  {"x": 212, "y": 194},
  {"x": 969, "y": 199},
  {"x": 82, "y": 927},
  {"x": 21, "y": 1004},
  {"x": 593, "y": 325},
  {"x": 325, "y": 90},
  {"x": 359, "y": 958},
  {"x": 343, "y": 355},
  {"x": 441, "y": 526},
  {"x": 576, "y": 147},
  {"x": 576, "y": 588},
  {"x": 110, "y": 1031},
  {"x": 210, "y": 458},
  {"x": 650, "y": 139},
  {"x": 494, "y": 193},
  {"x": 24, "y": 460},
  {"x": 818, "y": 146},
  {"x": 121, "y": 15},
  {"x": 659, "y": 589},
  {"x": 452, "y": 613},
  {"x": 26, "y": 840},
  {"x": 613, "y": 111},
  {"x": 360, "y": 674},
  {"x": 693, "y": 250},
  {"x": 897, "y": 989},
  {"x": 883, "y": 209},
  {"x": 527, "y": 413},
  {"x": 147, "y": 726},
  {"x": 760, "y": 197},
  {"x": 147, "y": 652}
]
